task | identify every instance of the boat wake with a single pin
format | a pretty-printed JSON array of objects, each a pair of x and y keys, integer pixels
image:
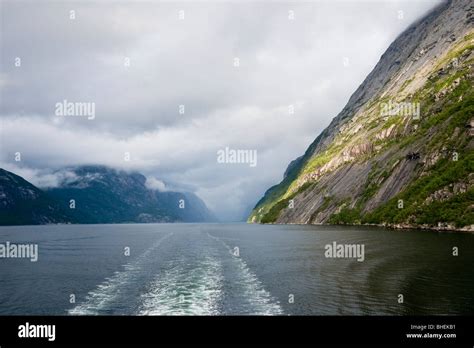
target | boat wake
[{"x": 103, "y": 299}]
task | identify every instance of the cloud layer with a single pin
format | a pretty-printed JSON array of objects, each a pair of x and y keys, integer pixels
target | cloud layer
[{"x": 169, "y": 93}]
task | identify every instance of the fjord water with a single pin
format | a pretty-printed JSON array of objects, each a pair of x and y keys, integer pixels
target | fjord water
[{"x": 192, "y": 269}]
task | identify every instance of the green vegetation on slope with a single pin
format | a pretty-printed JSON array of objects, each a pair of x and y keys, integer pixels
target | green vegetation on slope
[
  {"x": 275, "y": 210},
  {"x": 447, "y": 106}
]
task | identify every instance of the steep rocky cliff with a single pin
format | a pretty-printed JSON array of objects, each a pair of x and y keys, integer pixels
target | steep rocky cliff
[{"x": 400, "y": 152}]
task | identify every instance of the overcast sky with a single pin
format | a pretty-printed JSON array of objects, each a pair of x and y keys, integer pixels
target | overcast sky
[{"x": 139, "y": 61}]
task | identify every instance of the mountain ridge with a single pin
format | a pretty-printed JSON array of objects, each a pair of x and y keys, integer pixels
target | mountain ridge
[
  {"x": 320, "y": 186},
  {"x": 95, "y": 194}
]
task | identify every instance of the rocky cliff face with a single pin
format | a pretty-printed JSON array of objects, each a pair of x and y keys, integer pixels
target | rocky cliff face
[
  {"x": 400, "y": 153},
  {"x": 95, "y": 194}
]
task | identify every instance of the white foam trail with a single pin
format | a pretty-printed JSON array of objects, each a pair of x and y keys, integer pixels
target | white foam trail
[
  {"x": 100, "y": 298},
  {"x": 260, "y": 301},
  {"x": 181, "y": 291}
]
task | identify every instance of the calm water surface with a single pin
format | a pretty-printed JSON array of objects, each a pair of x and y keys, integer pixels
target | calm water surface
[{"x": 192, "y": 269}]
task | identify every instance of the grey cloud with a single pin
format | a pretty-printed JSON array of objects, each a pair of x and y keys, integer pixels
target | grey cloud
[{"x": 186, "y": 62}]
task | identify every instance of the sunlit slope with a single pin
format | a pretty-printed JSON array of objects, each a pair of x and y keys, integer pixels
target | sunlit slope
[{"x": 401, "y": 151}]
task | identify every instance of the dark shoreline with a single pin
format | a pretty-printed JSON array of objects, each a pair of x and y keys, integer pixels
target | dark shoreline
[{"x": 466, "y": 229}]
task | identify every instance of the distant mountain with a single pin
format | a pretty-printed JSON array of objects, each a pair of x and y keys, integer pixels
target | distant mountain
[
  {"x": 21, "y": 203},
  {"x": 400, "y": 153},
  {"x": 96, "y": 194}
]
